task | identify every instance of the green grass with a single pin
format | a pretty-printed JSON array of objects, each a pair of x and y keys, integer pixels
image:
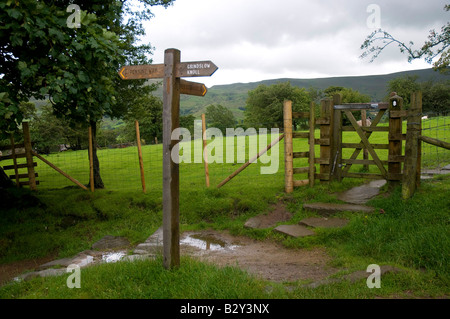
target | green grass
[{"x": 412, "y": 235}]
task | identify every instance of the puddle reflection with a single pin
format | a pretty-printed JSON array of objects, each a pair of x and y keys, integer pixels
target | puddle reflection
[{"x": 206, "y": 242}]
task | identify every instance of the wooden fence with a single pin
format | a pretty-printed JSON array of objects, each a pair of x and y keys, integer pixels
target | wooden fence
[{"x": 17, "y": 151}]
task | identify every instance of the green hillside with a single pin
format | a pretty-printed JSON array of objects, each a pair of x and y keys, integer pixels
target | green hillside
[{"x": 234, "y": 96}]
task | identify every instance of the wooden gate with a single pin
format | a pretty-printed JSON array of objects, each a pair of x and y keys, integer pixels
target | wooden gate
[
  {"x": 341, "y": 166},
  {"x": 333, "y": 166}
]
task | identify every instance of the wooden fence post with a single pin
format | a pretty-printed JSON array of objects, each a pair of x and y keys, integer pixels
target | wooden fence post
[
  {"x": 288, "y": 148},
  {"x": 312, "y": 153},
  {"x": 29, "y": 155},
  {"x": 336, "y": 150},
  {"x": 205, "y": 153},
  {"x": 326, "y": 133},
  {"x": 395, "y": 140},
  {"x": 410, "y": 171},
  {"x": 365, "y": 151},
  {"x": 141, "y": 162}
]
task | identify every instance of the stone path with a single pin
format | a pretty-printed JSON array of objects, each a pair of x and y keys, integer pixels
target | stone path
[
  {"x": 112, "y": 248},
  {"x": 429, "y": 173},
  {"x": 354, "y": 199},
  {"x": 106, "y": 250}
]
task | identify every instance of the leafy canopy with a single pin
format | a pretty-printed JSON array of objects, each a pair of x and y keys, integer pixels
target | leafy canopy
[
  {"x": 264, "y": 106},
  {"x": 76, "y": 68},
  {"x": 437, "y": 46}
]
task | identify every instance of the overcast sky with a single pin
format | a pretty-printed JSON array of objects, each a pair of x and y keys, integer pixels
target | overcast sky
[{"x": 253, "y": 40}]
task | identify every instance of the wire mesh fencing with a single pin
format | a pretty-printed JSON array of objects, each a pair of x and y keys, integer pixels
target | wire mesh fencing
[{"x": 436, "y": 126}]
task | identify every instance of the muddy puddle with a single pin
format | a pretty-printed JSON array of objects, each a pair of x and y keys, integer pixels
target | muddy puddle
[
  {"x": 266, "y": 259},
  {"x": 207, "y": 242}
]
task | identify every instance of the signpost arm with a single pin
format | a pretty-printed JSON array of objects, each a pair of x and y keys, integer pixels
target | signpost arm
[{"x": 171, "y": 114}]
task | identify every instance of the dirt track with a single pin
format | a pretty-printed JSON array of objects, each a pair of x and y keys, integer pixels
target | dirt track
[{"x": 265, "y": 259}]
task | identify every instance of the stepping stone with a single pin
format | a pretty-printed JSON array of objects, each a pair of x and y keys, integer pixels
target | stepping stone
[
  {"x": 278, "y": 214},
  {"x": 354, "y": 277},
  {"x": 446, "y": 167},
  {"x": 82, "y": 259},
  {"x": 327, "y": 209},
  {"x": 152, "y": 245},
  {"x": 111, "y": 242},
  {"x": 362, "y": 194},
  {"x": 294, "y": 230},
  {"x": 324, "y": 222}
]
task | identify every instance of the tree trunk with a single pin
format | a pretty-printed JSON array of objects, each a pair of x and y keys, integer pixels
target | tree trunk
[
  {"x": 98, "y": 182},
  {"x": 5, "y": 181}
]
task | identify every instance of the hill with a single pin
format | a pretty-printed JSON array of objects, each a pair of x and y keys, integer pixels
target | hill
[{"x": 234, "y": 96}]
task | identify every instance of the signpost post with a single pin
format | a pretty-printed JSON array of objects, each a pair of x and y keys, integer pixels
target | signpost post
[{"x": 171, "y": 71}]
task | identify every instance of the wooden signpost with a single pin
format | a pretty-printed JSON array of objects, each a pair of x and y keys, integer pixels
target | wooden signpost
[{"x": 172, "y": 70}]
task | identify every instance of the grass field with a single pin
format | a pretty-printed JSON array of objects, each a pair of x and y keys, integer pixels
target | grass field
[{"x": 413, "y": 234}]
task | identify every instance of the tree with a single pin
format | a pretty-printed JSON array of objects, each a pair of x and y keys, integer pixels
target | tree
[
  {"x": 148, "y": 111},
  {"x": 348, "y": 95},
  {"x": 187, "y": 122},
  {"x": 264, "y": 107},
  {"x": 76, "y": 68},
  {"x": 438, "y": 44},
  {"x": 403, "y": 86},
  {"x": 435, "y": 95},
  {"x": 220, "y": 117}
]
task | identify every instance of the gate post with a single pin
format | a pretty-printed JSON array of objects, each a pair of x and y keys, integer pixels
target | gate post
[
  {"x": 288, "y": 148},
  {"x": 337, "y": 139},
  {"x": 395, "y": 140},
  {"x": 412, "y": 151},
  {"x": 326, "y": 133},
  {"x": 312, "y": 154}
]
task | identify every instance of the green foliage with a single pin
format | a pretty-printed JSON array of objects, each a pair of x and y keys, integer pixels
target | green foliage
[
  {"x": 404, "y": 86},
  {"x": 75, "y": 67},
  {"x": 219, "y": 117},
  {"x": 435, "y": 95},
  {"x": 348, "y": 94},
  {"x": 265, "y": 104},
  {"x": 147, "y": 109},
  {"x": 436, "y": 46},
  {"x": 48, "y": 132}
]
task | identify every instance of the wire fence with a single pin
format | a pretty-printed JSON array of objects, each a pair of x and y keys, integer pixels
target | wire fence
[
  {"x": 436, "y": 126},
  {"x": 120, "y": 167}
]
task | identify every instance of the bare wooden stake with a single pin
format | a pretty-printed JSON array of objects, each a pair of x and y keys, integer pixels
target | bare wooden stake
[
  {"x": 141, "y": 162},
  {"x": 205, "y": 153},
  {"x": 254, "y": 158},
  {"x": 59, "y": 170},
  {"x": 288, "y": 148}
]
